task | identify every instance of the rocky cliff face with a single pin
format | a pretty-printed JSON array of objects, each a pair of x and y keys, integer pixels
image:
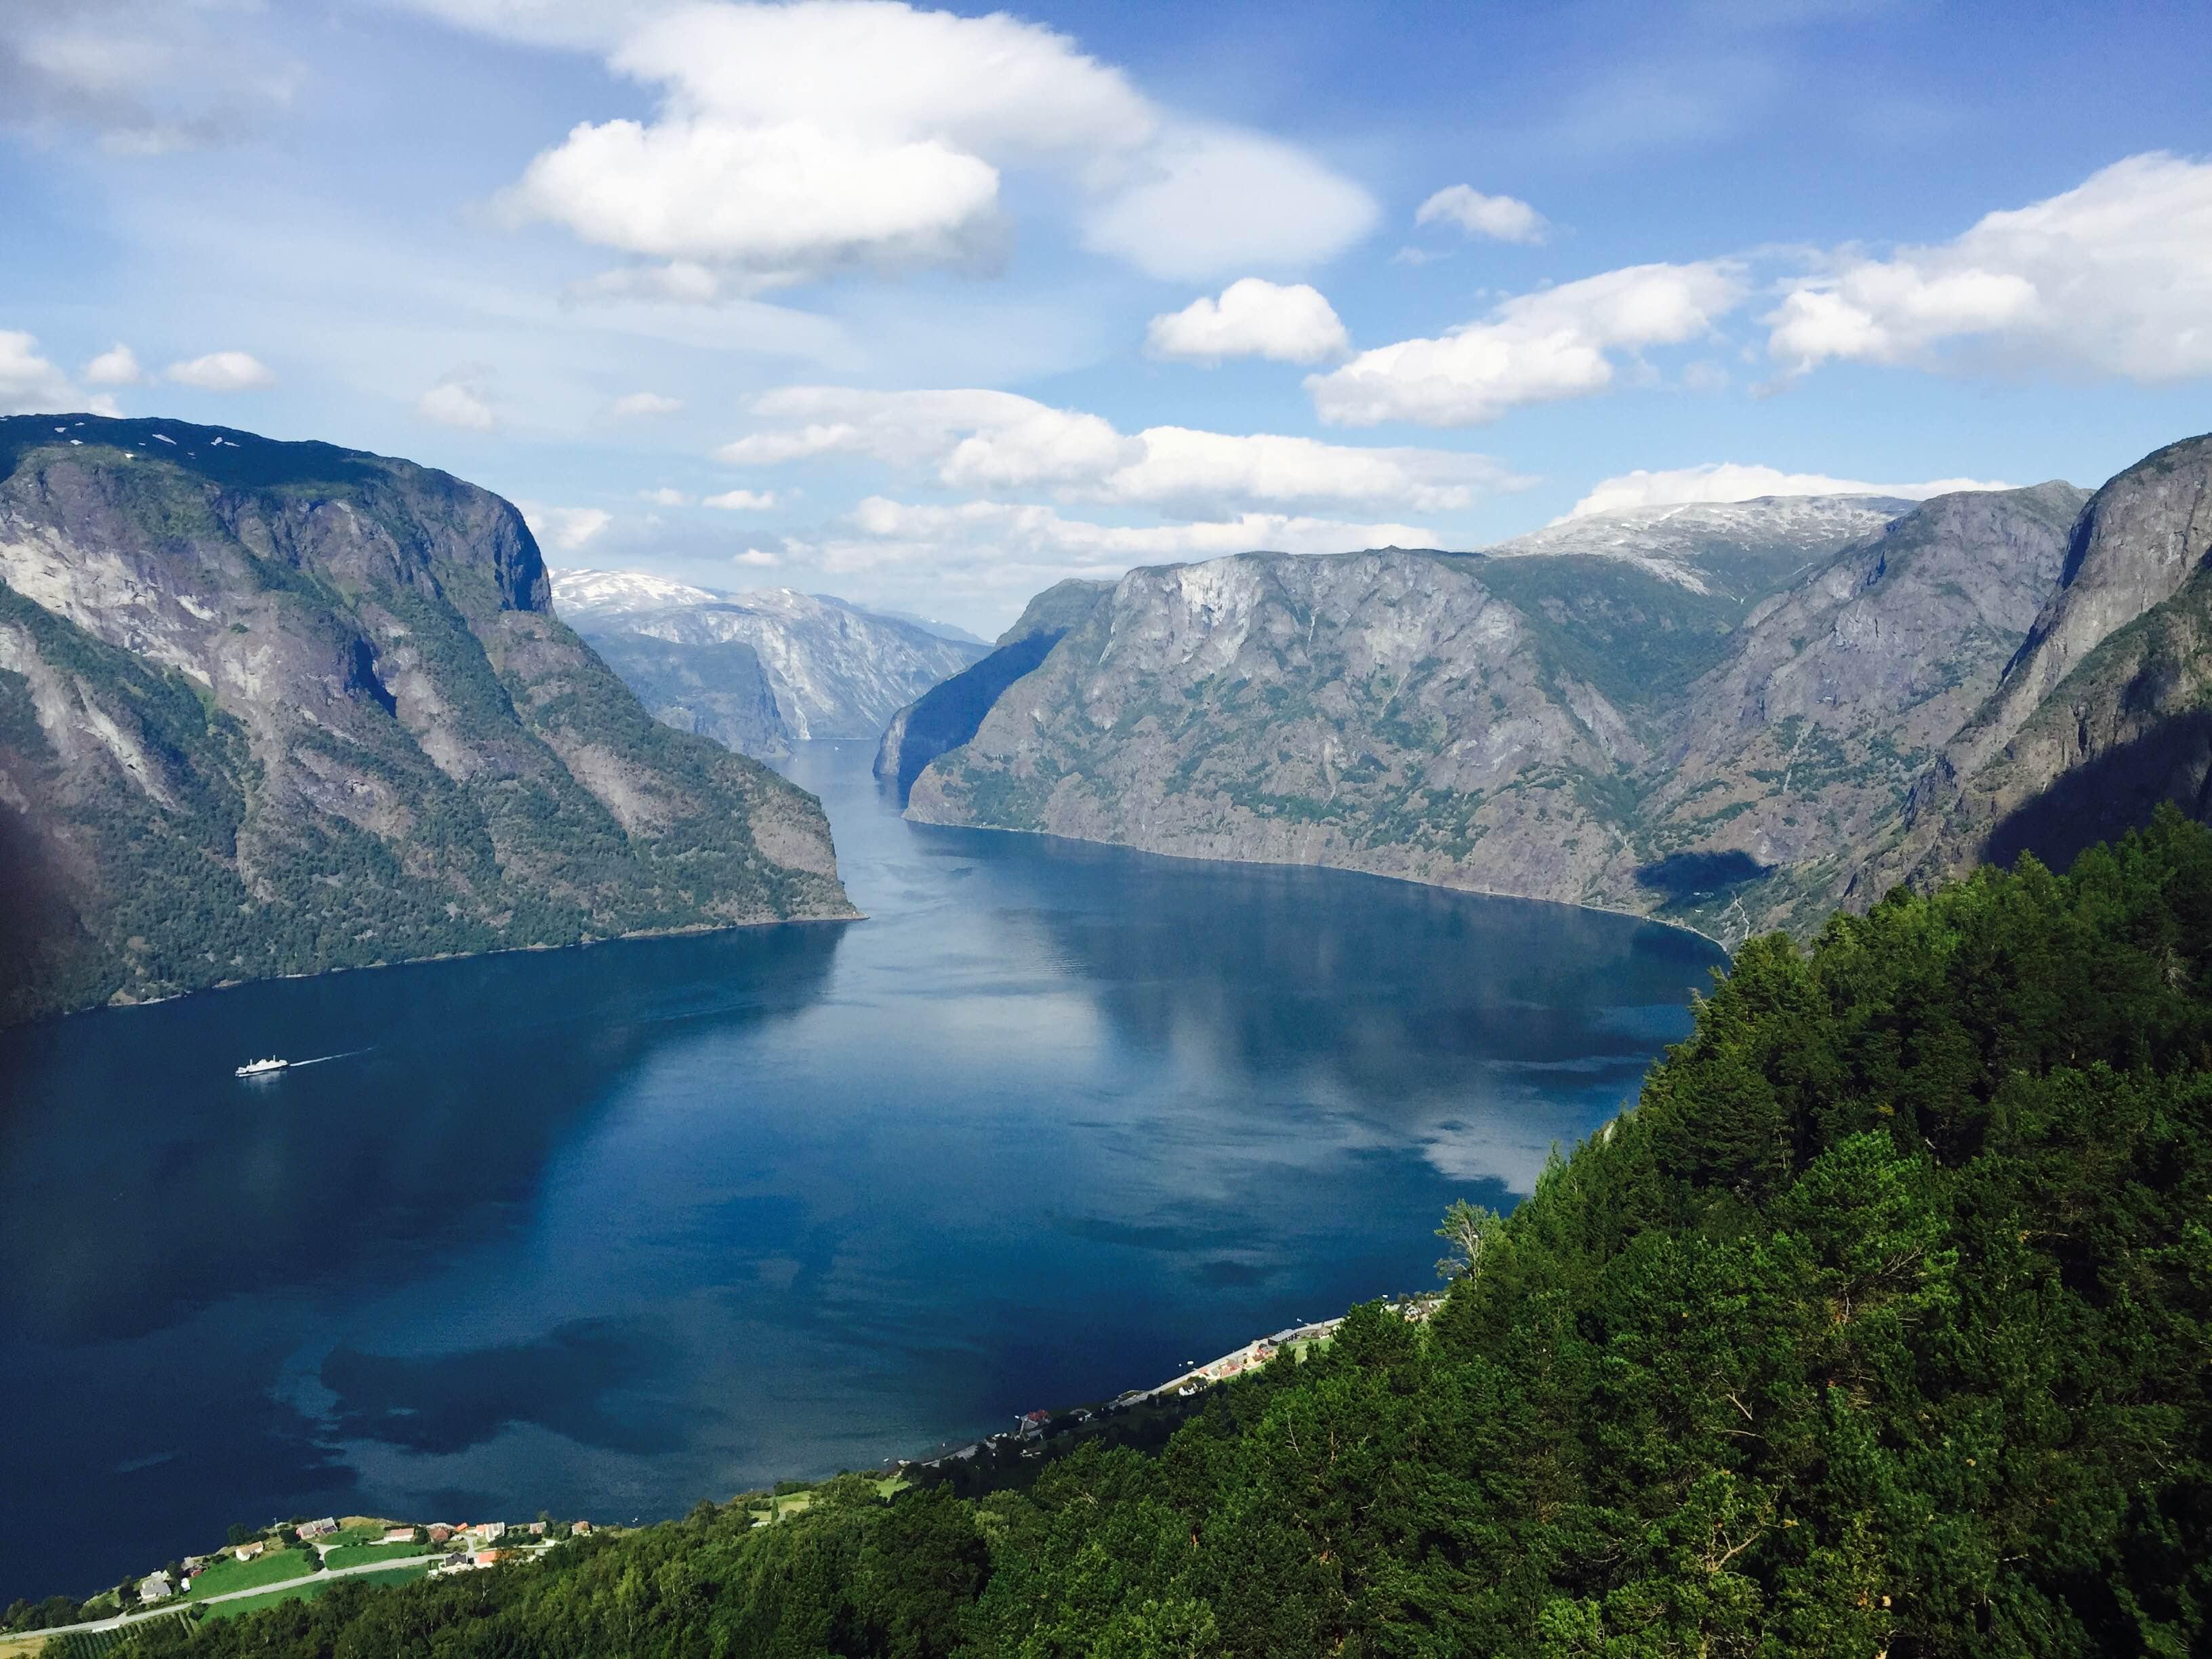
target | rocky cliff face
[
  {"x": 1801, "y": 750},
  {"x": 756, "y": 672},
  {"x": 948, "y": 713},
  {"x": 1630, "y": 722},
  {"x": 2100, "y": 715},
  {"x": 279, "y": 708},
  {"x": 1379, "y": 710}
]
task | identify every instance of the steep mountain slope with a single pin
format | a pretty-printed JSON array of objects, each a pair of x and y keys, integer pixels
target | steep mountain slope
[
  {"x": 1641, "y": 721},
  {"x": 2103, "y": 712},
  {"x": 1800, "y": 750},
  {"x": 756, "y": 672},
  {"x": 1379, "y": 711},
  {"x": 270, "y": 707},
  {"x": 948, "y": 713}
]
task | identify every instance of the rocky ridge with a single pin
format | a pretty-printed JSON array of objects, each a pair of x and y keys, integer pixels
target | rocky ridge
[
  {"x": 274, "y": 707},
  {"x": 2102, "y": 712},
  {"x": 756, "y": 672},
  {"x": 1614, "y": 712}
]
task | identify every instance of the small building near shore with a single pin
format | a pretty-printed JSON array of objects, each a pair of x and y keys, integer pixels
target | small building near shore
[{"x": 155, "y": 1587}]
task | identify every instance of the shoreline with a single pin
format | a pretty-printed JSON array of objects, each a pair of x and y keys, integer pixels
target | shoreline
[
  {"x": 906, "y": 816},
  {"x": 1293, "y": 1340},
  {"x": 114, "y": 1004}
]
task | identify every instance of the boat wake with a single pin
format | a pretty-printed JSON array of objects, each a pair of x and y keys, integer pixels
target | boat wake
[{"x": 320, "y": 1059}]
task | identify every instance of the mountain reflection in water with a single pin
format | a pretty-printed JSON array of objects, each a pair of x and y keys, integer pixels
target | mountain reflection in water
[{"x": 604, "y": 1231}]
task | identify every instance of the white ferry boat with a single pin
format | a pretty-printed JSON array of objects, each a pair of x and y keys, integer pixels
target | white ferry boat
[{"x": 262, "y": 1068}]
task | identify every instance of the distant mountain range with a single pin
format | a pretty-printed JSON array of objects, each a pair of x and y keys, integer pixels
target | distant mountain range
[
  {"x": 758, "y": 671},
  {"x": 1738, "y": 716},
  {"x": 274, "y": 707}
]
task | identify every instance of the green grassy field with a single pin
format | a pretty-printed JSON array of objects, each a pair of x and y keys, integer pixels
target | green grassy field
[
  {"x": 358, "y": 1532},
  {"x": 222, "y": 1577},
  {"x": 362, "y": 1555},
  {"x": 245, "y": 1604}
]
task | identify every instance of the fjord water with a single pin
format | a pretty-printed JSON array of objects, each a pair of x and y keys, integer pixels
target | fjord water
[{"x": 606, "y": 1231}]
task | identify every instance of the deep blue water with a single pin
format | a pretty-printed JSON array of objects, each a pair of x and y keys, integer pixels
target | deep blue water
[{"x": 606, "y": 1231}]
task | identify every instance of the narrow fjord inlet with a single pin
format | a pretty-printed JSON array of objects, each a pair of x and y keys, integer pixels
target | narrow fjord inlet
[{"x": 602, "y": 1232}]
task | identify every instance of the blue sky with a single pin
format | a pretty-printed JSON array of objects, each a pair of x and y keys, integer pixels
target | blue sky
[{"x": 937, "y": 308}]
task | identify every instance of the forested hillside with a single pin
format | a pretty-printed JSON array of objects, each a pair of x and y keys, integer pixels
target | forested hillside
[{"x": 1879, "y": 1327}]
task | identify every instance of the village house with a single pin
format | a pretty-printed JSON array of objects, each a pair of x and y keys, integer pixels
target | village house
[
  {"x": 247, "y": 1551},
  {"x": 488, "y": 1558},
  {"x": 155, "y": 1587},
  {"x": 322, "y": 1528},
  {"x": 538, "y": 1529},
  {"x": 441, "y": 1533},
  {"x": 400, "y": 1536},
  {"x": 580, "y": 1529}
]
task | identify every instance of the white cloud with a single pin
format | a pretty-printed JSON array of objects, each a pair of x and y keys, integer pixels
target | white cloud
[
  {"x": 2113, "y": 276},
  {"x": 1253, "y": 318},
  {"x": 104, "y": 403},
  {"x": 223, "y": 371},
  {"x": 666, "y": 497},
  {"x": 1195, "y": 470},
  {"x": 1003, "y": 535},
  {"x": 978, "y": 438},
  {"x": 638, "y": 405},
  {"x": 1000, "y": 441},
  {"x": 1503, "y": 218},
  {"x": 741, "y": 500},
  {"x": 1535, "y": 348},
  {"x": 775, "y": 200},
  {"x": 29, "y": 385},
  {"x": 117, "y": 366},
  {"x": 1729, "y": 481},
  {"x": 567, "y": 528},
  {"x": 793, "y": 141},
  {"x": 796, "y": 139},
  {"x": 756, "y": 556},
  {"x": 1210, "y": 199},
  {"x": 457, "y": 403}
]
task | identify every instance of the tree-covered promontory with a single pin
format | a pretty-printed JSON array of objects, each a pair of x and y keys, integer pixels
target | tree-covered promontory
[{"x": 1882, "y": 1325}]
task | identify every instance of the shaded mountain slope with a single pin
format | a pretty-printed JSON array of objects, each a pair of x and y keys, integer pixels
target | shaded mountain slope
[
  {"x": 948, "y": 713},
  {"x": 2099, "y": 715}
]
